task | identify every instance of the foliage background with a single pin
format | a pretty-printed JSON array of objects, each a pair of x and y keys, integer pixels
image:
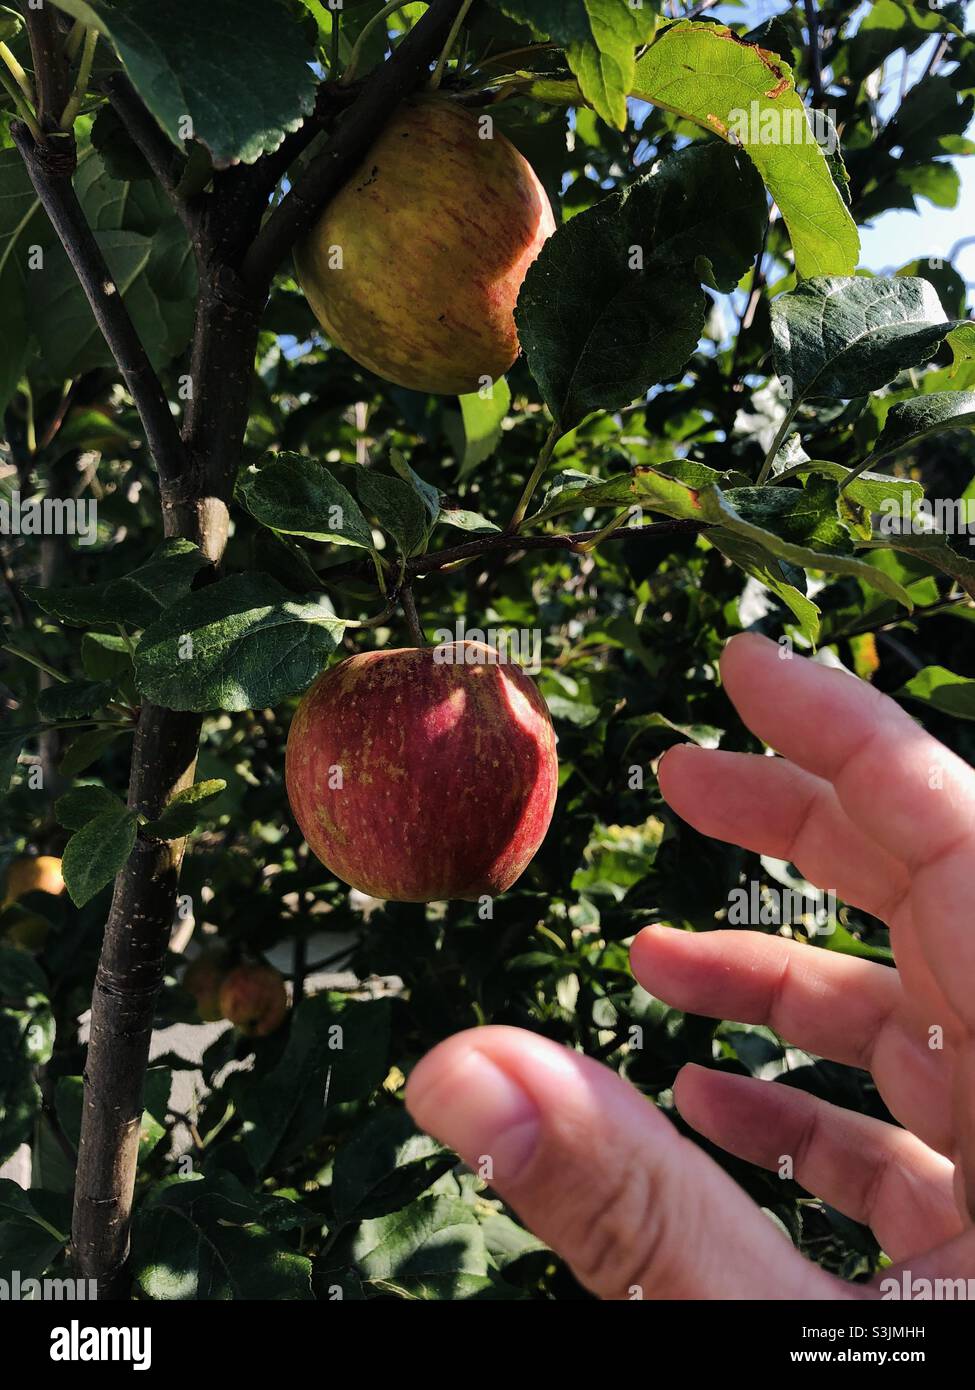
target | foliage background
[{"x": 300, "y": 1173}]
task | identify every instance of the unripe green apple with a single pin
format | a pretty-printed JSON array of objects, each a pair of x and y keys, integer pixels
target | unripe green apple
[
  {"x": 254, "y": 999},
  {"x": 423, "y": 773},
  {"x": 414, "y": 267}
]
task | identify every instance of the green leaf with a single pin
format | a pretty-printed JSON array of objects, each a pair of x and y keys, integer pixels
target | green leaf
[
  {"x": 596, "y": 334},
  {"x": 237, "y": 70},
  {"x": 911, "y": 420},
  {"x": 207, "y": 1238},
  {"x": 433, "y": 1236},
  {"x": 96, "y": 853},
  {"x": 299, "y": 496},
  {"x": 73, "y": 699},
  {"x": 466, "y": 521},
  {"x": 26, "y": 1042},
  {"x": 397, "y": 507},
  {"x": 89, "y": 746},
  {"x": 961, "y": 340},
  {"x": 481, "y": 416},
  {"x": 137, "y": 598},
  {"x": 786, "y": 526},
  {"x": 840, "y": 338},
  {"x": 612, "y": 304},
  {"x": 786, "y": 522},
  {"x": 427, "y": 493},
  {"x": 337, "y": 1051},
  {"x": 15, "y": 340},
  {"x": 242, "y": 643},
  {"x": 757, "y": 561},
  {"x": 843, "y": 941},
  {"x": 506, "y": 1241},
  {"x": 186, "y": 810},
  {"x": 28, "y": 1244},
  {"x": 105, "y": 656},
  {"x": 600, "y": 38},
  {"x": 575, "y": 492},
  {"x": 705, "y": 73},
  {"x": 950, "y": 554},
  {"x": 82, "y": 804},
  {"x": 12, "y": 741},
  {"x": 22, "y": 225},
  {"x": 67, "y": 333},
  {"x": 119, "y": 153},
  {"x": 384, "y": 1165},
  {"x": 10, "y": 24},
  {"x": 943, "y": 691},
  {"x": 872, "y": 491}
]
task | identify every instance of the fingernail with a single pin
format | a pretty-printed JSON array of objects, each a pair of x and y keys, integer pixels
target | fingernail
[{"x": 477, "y": 1109}]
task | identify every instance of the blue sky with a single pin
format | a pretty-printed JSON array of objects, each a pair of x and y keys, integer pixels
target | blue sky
[{"x": 899, "y": 236}]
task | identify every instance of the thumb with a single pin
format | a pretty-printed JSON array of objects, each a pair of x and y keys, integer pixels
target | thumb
[{"x": 602, "y": 1176}]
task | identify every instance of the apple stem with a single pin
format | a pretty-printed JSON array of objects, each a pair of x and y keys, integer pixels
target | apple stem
[
  {"x": 438, "y": 71},
  {"x": 411, "y": 615},
  {"x": 518, "y": 515}
]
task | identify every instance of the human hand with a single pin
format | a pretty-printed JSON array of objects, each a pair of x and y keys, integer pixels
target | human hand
[{"x": 862, "y": 801}]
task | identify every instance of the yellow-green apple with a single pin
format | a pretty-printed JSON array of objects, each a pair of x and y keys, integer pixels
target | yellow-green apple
[
  {"x": 423, "y": 773},
  {"x": 41, "y": 873},
  {"x": 203, "y": 979},
  {"x": 414, "y": 267},
  {"x": 254, "y": 999}
]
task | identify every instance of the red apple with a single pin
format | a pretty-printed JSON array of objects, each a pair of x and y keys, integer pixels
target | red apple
[
  {"x": 423, "y": 773},
  {"x": 415, "y": 266},
  {"x": 254, "y": 999}
]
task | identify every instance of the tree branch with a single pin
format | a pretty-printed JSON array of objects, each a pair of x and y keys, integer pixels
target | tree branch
[
  {"x": 50, "y": 64},
  {"x": 241, "y": 193},
  {"x": 196, "y": 476},
  {"x": 326, "y": 174},
  {"x": 130, "y": 971},
  {"x": 162, "y": 156},
  {"x": 50, "y": 173},
  {"x": 502, "y": 540}
]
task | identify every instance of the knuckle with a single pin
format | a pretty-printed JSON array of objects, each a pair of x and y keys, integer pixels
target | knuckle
[{"x": 617, "y": 1238}]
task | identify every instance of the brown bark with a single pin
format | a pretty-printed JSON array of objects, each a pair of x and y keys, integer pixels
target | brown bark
[{"x": 236, "y": 261}]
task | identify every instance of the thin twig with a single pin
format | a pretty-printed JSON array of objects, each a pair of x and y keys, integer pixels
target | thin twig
[
  {"x": 535, "y": 477},
  {"x": 815, "y": 56},
  {"x": 50, "y": 64},
  {"x": 163, "y": 158},
  {"x": 59, "y": 200},
  {"x": 411, "y": 615}
]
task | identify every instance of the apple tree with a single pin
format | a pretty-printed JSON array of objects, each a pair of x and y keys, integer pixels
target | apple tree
[{"x": 719, "y": 418}]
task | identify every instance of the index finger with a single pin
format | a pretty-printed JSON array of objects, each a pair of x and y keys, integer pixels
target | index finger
[{"x": 896, "y": 782}]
